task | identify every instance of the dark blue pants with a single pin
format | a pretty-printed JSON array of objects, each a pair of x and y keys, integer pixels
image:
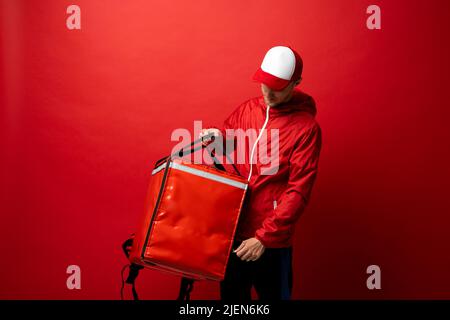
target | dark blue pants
[{"x": 271, "y": 276}]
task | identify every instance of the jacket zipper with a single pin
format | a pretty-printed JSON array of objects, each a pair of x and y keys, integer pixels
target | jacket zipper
[{"x": 256, "y": 142}]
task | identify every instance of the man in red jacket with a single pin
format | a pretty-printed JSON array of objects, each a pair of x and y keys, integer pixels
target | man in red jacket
[{"x": 262, "y": 252}]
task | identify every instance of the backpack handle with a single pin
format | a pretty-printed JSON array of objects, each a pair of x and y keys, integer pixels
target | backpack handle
[{"x": 190, "y": 148}]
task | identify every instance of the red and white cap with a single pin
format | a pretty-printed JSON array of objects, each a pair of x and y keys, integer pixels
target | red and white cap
[{"x": 280, "y": 66}]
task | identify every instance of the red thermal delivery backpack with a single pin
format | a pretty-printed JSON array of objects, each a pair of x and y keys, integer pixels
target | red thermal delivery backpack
[{"x": 189, "y": 221}]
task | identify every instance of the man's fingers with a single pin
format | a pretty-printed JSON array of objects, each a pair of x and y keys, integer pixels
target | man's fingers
[
  {"x": 257, "y": 255},
  {"x": 247, "y": 256},
  {"x": 205, "y": 132},
  {"x": 242, "y": 245},
  {"x": 213, "y": 132},
  {"x": 241, "y": 251}
]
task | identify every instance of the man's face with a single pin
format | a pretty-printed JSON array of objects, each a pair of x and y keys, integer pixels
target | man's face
[{"x": 273, "y": 98}]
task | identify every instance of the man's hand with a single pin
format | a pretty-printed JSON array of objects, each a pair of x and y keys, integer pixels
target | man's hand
[
  {"x": 250, "y": 250},
  {"x": 205, "y": 132}
]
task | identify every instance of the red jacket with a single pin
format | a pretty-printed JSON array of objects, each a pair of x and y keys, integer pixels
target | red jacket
[{"x": 275, "y": 201}]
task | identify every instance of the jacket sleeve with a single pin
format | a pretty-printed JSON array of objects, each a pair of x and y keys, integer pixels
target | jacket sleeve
[{"x": 303, "y": 167}]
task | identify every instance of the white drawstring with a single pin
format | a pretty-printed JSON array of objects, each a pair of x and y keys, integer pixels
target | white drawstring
[{"x": 257, "y": 139}]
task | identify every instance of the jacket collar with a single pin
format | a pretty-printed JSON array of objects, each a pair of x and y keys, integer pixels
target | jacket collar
[{"x": 299, "y": 101}]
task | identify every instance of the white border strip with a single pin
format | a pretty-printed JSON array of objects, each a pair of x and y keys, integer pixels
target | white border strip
[
  {"x": 156, "y": 170},
  {"x": 208, "y": 175},
  {"x": 202, "y": 174}
]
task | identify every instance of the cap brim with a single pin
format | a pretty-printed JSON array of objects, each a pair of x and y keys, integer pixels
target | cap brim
[{"x": 269, "y": 80}]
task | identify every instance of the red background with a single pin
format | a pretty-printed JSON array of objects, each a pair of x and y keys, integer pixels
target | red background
[{"x": 85, "y": 114}]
